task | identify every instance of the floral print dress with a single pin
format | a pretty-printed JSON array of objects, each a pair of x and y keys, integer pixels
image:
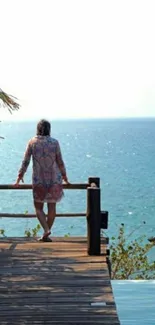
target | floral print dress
[{"x": 48, "y": 168}]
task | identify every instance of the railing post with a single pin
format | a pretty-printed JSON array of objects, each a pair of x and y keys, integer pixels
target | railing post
[
  {"x": 94, "y": 180},
  {"x": 93, "y": 219}
]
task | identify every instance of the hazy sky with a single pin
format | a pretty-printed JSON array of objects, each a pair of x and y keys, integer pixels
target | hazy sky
[{"x": 80, "y": 58}]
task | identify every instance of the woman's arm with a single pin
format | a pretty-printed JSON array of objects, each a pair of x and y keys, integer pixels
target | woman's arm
[
  {"x": 25, "y": 162},
  {"x": 60, "y": 163}
]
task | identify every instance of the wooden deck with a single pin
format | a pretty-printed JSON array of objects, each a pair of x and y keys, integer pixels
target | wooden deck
[{"x": 54, "y": 283}]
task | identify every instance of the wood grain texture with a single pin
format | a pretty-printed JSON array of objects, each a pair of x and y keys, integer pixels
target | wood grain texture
[{"x": 54, "y": 283}]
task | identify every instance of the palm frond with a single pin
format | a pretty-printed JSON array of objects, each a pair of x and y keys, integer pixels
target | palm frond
[{"x": 8, "y": 101}]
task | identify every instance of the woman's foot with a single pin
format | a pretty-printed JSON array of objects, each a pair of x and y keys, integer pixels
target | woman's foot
[
  {"x": 46, "y": 234},
  {"x": 45, "y": 240},
  {"x": 45, "y": 237}
]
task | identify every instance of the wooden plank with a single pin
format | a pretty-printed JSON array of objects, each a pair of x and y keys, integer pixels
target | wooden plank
[
  {"x": 37, "y": 284},
  {"x": 58, "y": 261},
  {"x": 74, "y": 291},
  {"x": 38, "y": 244},
  {"x": 108, "y": 309},
  {"x": 45, "y": 272},
  {"x": 52, "y": 255},
  {"x": 51, "y": 246},
  {"x": 58, "y": 290},
  {"x": 45, "y": 322},
  {"x": 54, "y": 247},
  {"x": 57, "y": 268},
  {"x": 21, "y": 321},
  {"x": 60, "y": 240},
  {"x": 80, "y": 256},
  {"x": 102, "y": 294},
  {"x": 78, "y": 267},
  {"x": 15, "y": 320},
  {"x": 55, "y": 299},
  {"x": 5, "y": 245},
  {"x": 62, "y": 314},
  {"x": 35, "y": 320},
  {"x": 43, "y": 276}
]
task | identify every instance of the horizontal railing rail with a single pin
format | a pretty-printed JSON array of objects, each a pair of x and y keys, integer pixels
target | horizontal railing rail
[
  {"x": 29, "y": 215},
  {"x": 76, "y": 186}
]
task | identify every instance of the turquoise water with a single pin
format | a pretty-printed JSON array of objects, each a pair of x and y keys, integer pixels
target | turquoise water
[
  {"x": 120, "y": 152},
  {"x": 135, "y": 301}
]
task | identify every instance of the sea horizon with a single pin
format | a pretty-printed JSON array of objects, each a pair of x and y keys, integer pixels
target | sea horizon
[{"x": 78, "y": 119}]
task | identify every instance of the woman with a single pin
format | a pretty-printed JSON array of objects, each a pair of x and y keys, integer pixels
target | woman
[{"x": 48, "y": 173}]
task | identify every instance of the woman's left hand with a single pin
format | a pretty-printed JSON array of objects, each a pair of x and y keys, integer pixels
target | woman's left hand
[{"x": 18, "y": 181}]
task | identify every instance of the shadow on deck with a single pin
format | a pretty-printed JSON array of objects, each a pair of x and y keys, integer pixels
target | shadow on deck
[{"x": 54, "y": 283}]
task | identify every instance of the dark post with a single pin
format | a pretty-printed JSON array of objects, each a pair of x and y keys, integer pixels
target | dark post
[
  {"x": 95, "y": 180},
  {"x": 93, "y": 220},
  {"x": 109, "y": 265}
]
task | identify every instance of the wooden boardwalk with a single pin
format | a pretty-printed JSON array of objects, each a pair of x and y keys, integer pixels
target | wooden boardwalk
[{"x": 54, "y": 283}]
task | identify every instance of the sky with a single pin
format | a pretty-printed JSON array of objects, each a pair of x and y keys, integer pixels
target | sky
[{"x": 78, "y": 59}]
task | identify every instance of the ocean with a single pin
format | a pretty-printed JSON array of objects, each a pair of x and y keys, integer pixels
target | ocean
[{"x": 119, "y": 151}]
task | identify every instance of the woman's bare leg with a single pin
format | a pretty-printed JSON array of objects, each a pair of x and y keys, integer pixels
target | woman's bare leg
[
  {"x": 41, "y": 215},
  {"x": 51, "y": 214}
]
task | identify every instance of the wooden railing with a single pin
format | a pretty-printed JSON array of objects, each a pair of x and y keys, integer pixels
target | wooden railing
[{"x": 96, "y": 219}]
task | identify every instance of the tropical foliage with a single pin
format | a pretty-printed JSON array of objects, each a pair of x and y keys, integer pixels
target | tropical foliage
[
  {"x": 8, "y": 101},
  {"x": 130, "y": 258}
]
